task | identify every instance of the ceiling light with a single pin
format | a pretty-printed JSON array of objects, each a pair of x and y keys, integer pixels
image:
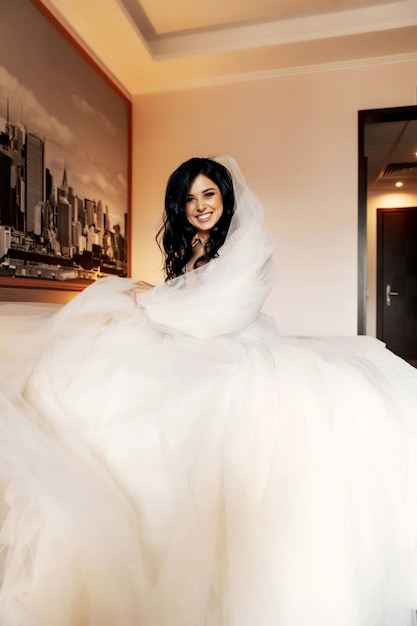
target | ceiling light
[{"x": 399, "y": 184}]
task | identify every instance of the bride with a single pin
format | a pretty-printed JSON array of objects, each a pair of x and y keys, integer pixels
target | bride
[{"x": 167, "y": 459}]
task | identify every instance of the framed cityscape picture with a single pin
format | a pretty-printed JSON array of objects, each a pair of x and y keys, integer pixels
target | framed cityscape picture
[{"x": 64, "y": 159}]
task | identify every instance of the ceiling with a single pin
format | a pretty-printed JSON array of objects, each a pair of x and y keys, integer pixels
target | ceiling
[
  {"x": 391, "y": 151},
  {"x": 157, "y": 45},
  {"x": 150, "y": 46}
]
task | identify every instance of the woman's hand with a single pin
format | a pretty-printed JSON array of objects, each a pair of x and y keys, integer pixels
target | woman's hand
[{"x": 142, "y": 286}]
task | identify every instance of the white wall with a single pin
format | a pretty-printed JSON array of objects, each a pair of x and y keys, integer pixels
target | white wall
[
  {"x": 396, "y": 199},
  {"x": 295, "y": 138}
]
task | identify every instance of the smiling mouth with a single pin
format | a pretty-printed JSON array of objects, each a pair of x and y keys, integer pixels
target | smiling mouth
[{"x": 204, "y": 218}]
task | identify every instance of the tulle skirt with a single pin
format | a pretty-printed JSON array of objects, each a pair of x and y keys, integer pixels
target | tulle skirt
[{"x": 156, "y": 479}]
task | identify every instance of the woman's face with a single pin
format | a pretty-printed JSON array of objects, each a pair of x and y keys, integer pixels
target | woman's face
[{"x": 204, "y": 205}]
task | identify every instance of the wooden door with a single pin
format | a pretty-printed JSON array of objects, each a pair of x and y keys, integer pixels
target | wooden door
[{"x": 397, "y": 280}]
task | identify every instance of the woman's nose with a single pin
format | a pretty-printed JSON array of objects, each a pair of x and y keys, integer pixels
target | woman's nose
[{"x": 200, "y": 204}]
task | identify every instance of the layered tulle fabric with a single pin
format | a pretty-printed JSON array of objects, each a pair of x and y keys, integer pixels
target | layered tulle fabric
[{"x": 167, "y": 459}]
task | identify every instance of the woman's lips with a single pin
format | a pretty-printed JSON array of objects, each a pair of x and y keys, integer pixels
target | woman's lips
[{"x": 204, "y": 218}]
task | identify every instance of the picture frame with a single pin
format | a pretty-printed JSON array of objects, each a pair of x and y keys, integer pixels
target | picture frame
[{"x": 65, "y": 161}]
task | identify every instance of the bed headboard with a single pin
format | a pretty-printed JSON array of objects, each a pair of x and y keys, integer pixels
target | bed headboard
[{"x": 48, "y": 291}]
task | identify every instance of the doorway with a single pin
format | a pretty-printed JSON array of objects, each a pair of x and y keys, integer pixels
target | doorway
[
  {"x": 387, "y": 147},
  {"x": 397, "y": 280}
]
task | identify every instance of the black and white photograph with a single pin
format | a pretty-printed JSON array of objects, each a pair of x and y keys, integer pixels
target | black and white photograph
[{"x": 64, "y": 157}]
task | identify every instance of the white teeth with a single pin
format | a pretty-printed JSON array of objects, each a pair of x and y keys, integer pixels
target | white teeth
[{"x": 204, "y": 218}]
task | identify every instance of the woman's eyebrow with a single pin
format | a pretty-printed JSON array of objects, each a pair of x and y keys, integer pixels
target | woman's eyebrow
[{"x": 190, "y": 195}]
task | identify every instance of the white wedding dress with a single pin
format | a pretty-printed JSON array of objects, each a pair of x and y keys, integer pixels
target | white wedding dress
[{"x": 168, "y": 459}]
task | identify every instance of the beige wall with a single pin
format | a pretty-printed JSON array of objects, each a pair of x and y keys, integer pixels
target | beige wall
[{"x": 295, "y": 138}]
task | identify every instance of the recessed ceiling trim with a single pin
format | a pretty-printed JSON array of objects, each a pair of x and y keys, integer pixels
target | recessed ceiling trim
[
  {"x": 277, "y": 73},
  {"x": 146, "y": 81},
  {"x": 140, "y": 22},
  {"x": 399, "y": 14}
]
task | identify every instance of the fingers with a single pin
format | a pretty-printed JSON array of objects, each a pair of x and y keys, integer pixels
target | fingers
[{"x": 141, "y": 286}]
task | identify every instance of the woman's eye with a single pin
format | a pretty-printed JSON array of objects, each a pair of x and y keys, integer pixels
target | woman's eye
[
  {"x": 209, "y": 194},
  {"x": 190, "y": 199}
]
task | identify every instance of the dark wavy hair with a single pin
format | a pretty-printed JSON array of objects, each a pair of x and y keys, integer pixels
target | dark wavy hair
[{"x": 176, "y": 233}]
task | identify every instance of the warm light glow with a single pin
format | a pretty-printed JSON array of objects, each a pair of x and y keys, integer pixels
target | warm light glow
[{"x": 399, "y": 184}]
